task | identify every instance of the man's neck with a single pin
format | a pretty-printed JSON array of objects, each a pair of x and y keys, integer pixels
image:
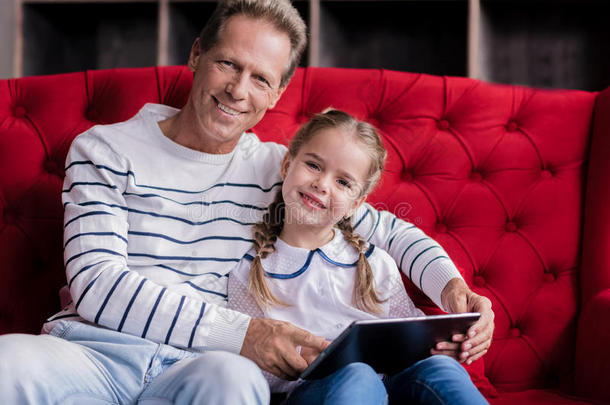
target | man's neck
[{"x": 177, "y": 129}]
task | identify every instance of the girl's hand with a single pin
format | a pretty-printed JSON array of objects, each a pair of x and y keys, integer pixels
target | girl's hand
[{"x": 458, "y": 298}]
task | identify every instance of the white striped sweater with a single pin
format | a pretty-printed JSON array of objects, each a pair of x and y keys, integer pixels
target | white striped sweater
[{"x": 152, "y": 229}]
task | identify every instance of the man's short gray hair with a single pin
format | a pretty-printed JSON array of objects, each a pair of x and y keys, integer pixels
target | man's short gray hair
[{"x": 280, "y": 13}]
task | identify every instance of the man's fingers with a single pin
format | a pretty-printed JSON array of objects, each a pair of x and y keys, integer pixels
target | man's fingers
[{"x": 303, "y": 338}]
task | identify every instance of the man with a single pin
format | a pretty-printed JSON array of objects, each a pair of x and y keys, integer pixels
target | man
[{"x": 157, "y": 211}]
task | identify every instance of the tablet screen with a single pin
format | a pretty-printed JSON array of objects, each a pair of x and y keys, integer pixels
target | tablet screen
[{"x": 388, "y": 345}]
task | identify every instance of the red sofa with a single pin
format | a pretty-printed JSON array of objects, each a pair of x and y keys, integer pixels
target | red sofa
[{"x": 512, "y": 181}]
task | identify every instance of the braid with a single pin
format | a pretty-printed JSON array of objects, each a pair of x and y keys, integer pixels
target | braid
[
  {"x": 265, "y": 236},
  {"x": 364, "y": 296}
]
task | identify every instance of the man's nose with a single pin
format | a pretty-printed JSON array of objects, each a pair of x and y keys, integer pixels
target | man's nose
[{"x": 237, "y": 87}]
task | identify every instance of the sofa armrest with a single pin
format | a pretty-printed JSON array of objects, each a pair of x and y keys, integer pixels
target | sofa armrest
[{"x": 592, "y": 363}]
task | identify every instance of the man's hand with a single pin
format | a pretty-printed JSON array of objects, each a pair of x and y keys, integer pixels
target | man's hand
[
  {"x": 273, "y": 346},
  {"x": 457, "y": 298}
]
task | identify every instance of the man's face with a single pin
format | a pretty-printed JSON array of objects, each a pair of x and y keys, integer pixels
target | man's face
[{"x": 236, "y": 81}]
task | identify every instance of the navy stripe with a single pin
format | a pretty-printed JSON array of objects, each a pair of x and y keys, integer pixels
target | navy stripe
[
  {"x": 195, "y": 286},
  {"x": 171, "y": 328},
  {"x": 265, "y": 190},
  {"x": 131, "y": 301},
  {"x": 89, "y": 162},
  {"x": 407, "y": 249},
  {"x": 421, "y": 253},
  {"x": 116, "y": 283},
  {"x": 150, "y": 317},
  {"x": 393, "y": 223},
  {"x": 191, "y": 258},
  {"x": 376, "y": 225},
  {"x": 163, "y": 266},
  {"x": 95, "y": 234},
  {"x": 132, "y": 174},
  {"x": 196, "y": 325},
  {"x": 328, "y": 259},
  {"x": 85, "y": 291},
  {"x": 112, "y": 252},
  {"x": 86, "y": 215},
  {"x": 62, "y": 317},
  {"x": 390, "y": 242},
  {"x": 204, "y": 203},
  {"x": 362, "y": 218},
  {"x": 421, "y": 276},
  {"x": 249, "y": 257},
  {"x": 296, "y": 273},
  {"x": 88, "y": 183},
  {"x": 181, "y": 242},
  {"x": 82, "y": 270},
  {"x": 154, "y": 214}
]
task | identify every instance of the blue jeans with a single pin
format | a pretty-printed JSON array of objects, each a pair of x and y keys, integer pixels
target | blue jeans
[
  {"x": 84, "y": 364},
  {"x": 435, "y": 380}
]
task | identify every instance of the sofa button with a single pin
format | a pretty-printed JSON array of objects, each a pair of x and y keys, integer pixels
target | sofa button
[
  {"x": 476, "y": 176},
  {"x": 511, "y": 226},
  {"x": 512, "y": 126},
  {"x": 440, "y": 227},
  {"x": 407, "y": 176},
  {"x": 20, "y": 111},
  {"x": 515, "y": 332},
  {"x": 549, "y": 277},
  {"x": 479, "y": 281},
  {"x": 546, "y": 174},
  {"x": 9, "y": 218},
  {"x": 443, "y": 125},
  {"x": 93, "y": 115},
  {"x": 50, "y": 166}
]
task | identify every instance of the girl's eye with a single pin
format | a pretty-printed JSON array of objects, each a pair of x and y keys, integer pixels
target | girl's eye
[
  {"x": 344, "y": 183},
  {"x": 313, "y": 165}
]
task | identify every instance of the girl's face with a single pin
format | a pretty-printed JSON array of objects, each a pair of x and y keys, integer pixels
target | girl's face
[{"x": 324, "y": 182}]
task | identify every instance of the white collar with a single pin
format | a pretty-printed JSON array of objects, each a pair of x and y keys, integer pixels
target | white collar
[{"x": 289, "y": 262}]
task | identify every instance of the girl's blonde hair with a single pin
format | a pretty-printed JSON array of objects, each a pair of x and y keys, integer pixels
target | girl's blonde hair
[{"x": 266, "y": 232}]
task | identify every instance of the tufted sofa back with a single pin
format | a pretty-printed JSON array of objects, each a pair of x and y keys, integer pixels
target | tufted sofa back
[{"x": 497, "y": 174}]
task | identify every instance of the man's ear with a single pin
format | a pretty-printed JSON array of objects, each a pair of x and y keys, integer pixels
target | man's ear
[
  {"x": 285, "y": 165},
  {"x": 194, "y": 56},
  {"x": 276, "y": 97}
]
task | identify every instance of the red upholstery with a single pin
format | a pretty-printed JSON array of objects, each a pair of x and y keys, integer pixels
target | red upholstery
[{"x": 512, "y": 181}]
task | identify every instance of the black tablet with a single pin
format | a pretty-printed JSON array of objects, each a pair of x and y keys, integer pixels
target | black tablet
[{"x": 388, "y": 345}]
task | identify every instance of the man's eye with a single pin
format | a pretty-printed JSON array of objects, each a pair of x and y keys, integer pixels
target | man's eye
[
  {"x": 226, "y": 63},
  {"x": 262, "y": 80}
]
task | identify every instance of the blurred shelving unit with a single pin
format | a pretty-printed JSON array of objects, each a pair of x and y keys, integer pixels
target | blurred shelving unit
[{"x": 542, "y": 43}]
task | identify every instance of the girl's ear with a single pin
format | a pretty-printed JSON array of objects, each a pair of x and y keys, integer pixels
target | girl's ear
[
  {"x": 285, "y": 165},
  {"x": 357, "y": 203}
]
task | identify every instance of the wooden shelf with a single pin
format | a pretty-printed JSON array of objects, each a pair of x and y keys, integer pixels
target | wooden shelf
[{"x": 542, "y": 43}]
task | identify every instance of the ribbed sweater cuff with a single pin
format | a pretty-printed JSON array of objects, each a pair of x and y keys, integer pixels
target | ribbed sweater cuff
[
  {"x": 436, "y": 280},
  {"x": 228, "y": 331}
]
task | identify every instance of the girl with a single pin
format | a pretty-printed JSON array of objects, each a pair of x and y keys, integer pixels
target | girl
[{"x": 310, "y": 268}]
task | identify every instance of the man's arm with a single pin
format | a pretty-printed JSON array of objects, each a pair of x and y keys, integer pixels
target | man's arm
[
  {"x": 429, "y": 267},
  {"x": 104, "y": 289}
]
